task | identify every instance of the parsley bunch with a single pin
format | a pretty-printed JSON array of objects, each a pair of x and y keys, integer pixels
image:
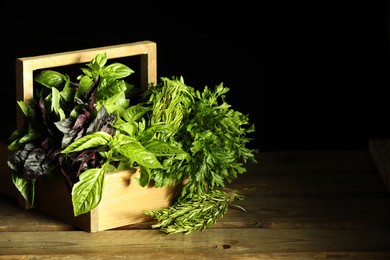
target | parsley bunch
[{"x": 214, "y": 137}]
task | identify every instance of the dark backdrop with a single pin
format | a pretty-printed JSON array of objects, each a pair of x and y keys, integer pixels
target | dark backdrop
[{"x": 311, "y": 74}]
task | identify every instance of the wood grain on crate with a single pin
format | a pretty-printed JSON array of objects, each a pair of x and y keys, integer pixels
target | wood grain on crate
[{"x": 123, "y": 201}]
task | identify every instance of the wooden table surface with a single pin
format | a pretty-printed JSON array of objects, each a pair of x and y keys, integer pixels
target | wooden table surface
[{"x": 300, "y": 205}]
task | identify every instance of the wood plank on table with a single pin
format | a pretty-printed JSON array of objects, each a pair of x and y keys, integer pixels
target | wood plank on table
[
  {"x": 210, "y": 244},
  {"x": 314, "y": 189},
  {"x": 14, "y": 218}
]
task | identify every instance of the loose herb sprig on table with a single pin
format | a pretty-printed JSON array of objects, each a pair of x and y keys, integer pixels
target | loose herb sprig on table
[
  {"x": 172, "y": 132},
  {"x": 196, "y": 212}
]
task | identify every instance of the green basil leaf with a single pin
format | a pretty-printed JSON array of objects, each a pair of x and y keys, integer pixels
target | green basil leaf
[
  {"x": 136, "y": 152},
  {"x": 117, "y": 99},
  {"x": 25, "y": 187},
  {"x": 87, "y": 72},
  {"x": 129, "y": 128},
  {"x": 116, "y": 70},
  {"x": 84, "y": 84},
  {"x": 98, "y": 63},
  {"x": 145, "y": 176},
  {"x": 55, "y": 101},
  {"x": 88, "y": 141},
  {"x": 87, "y": 192},
  {"x": 135, "y": 112},
  {"x": 31, "y": 135},
  {"x": 109, "y": 87},
  {"x": 67, "y": 93},
  {"x": 27, "y": 110},
  {"x": 50, "y": 79}
]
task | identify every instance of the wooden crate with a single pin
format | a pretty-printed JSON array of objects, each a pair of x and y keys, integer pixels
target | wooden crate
[{"x": 123, "y": 200}]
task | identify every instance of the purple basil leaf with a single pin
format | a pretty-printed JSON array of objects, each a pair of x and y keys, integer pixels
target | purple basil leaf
[
  {"x": 17, "y": 159},
  {"x": 102, "y": 122},
  {"x": 35, "y": 165}
]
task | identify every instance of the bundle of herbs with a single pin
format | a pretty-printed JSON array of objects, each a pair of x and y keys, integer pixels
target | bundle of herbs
[{"x": 80, "y": 129}]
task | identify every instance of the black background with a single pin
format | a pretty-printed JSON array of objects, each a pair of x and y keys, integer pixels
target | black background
[{"x": 312, "y": 75}]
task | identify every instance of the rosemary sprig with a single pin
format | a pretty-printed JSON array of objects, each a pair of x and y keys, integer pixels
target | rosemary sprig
[{"x": 196, "y": 212}]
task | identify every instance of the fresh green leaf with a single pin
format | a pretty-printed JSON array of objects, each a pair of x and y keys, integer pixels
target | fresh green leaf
[
  {"x": 135, "y": 151},
  {"x": 55, "y": 103},
  {"x": 31, "y": 135},
  {"x": 87, "y": 192},
  {"x": 27, "y": 110},
  {"x": 89, "y": 141},
  {"x": 130, "y": 128},
  {"x": 116, "y": 70},
  {"x": 116, "y": 103},
  {"x": 84, "y": 84},
  {"x": 145, "y": 176},
  {"x": 67, "y": 93},
  {"x": 25, "y": 187},
  {"x": 97, "y": 63},
  {"x": 50, "y": 79},
  {"x": 134, "y": 113}
]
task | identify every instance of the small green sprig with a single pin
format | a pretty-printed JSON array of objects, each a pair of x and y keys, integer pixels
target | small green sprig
[{"x": 196, "y": 212}]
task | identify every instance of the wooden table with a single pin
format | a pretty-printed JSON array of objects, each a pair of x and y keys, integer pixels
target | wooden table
[{"x": 300, "y": 205}]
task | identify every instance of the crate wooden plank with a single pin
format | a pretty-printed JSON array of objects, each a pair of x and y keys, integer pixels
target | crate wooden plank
[
  {"x": 380, "y": 152},
  {"x": 123, "y": 201}
]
